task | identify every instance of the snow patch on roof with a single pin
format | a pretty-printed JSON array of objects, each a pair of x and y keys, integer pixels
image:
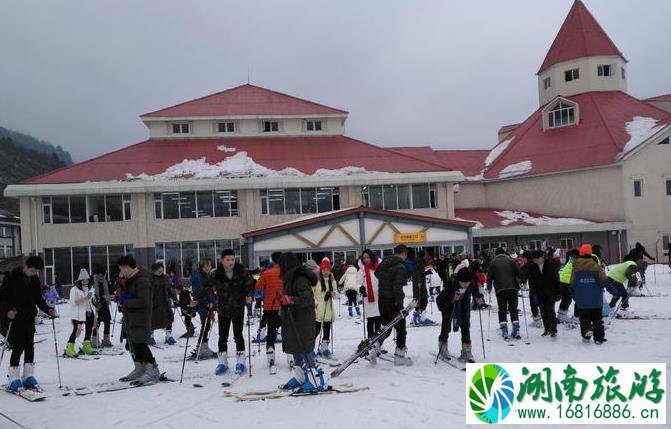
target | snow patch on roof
[
  {"x": 510, "y": 216},
  {"x": 224, "y": 148},
  {"x": 497, "y": 151},
  {"x": 475, "y": 178},
  {"x": 640, "y": 129},
  {"x": 516, "y": 169},
  {"x": 478, "y": 225},
  {"x": 345, "y": 171}
]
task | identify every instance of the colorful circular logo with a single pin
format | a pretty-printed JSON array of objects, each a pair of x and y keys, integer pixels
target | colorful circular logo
[{"x": 491, "y": 393}]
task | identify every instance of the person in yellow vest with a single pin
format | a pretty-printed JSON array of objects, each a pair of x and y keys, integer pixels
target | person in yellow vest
[
  {"x": 565, "y": 287},
  {"x": 615, "y": 285}
]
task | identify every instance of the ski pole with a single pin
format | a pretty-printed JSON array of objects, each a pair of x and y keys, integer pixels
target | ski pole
[
  {"x": 186, "y": 349},
  {"x": 364, "y": 320},
  {"x": 524, "y": 311},
  {"x": 482, "y": 336},
  {"x": 249, "y": 340},
  {"x": 116, "y": 308},
  {"x": 6, "y": 344},
  {"x": 489, "y": 315},
  {"x": 58, "y": 362}
]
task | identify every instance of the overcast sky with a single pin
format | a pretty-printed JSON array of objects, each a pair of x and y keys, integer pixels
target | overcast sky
[{"x": 442, "y": 73}]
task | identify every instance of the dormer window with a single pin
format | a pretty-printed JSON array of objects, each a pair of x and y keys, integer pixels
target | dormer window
[
  {"x": 547, "y": 82},
  {"x": 270, "y": 126},
  {"x": 181, "y": 128},
  {"x": 561, "y": 115},
  {"x": 313, "y": 125},
  {"x": 573, "y": 74},
  {"x": 604, "y": 70},
  {"x": 226, "y": 127}
]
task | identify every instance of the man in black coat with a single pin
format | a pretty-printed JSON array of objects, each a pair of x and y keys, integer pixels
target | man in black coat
[
  {"x": 165, "y": 299},
  {"x": 393, "y": 276},
  {"x": 232, "y": 284},
  {"x": 20, "y": 293},
  {"x": 544, "y": 285},
  {"x": 504, "y": 275},
  {"x": 137, "y": 304}
]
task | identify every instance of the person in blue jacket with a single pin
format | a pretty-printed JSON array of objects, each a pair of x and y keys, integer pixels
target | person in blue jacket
[{"x": 588, "y": 280}]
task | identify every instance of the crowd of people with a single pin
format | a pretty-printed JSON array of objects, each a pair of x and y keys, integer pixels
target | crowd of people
[{"x": 299, "y": 300}]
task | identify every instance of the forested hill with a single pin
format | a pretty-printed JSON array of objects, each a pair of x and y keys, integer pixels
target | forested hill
[{"x": 30, "y": 142}]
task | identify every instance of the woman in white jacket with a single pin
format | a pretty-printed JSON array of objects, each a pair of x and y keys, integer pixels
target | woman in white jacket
[
  {"x": 368, "y": 264},
  {"x": 350, "y": 282},
  {"x": 81, "y": 313}
]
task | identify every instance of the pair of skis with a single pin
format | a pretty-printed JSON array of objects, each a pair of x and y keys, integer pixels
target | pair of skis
[
  {"x": 281, "y": 393},
  {"x": 112, "y": 386},
  {"x": 31, "y": 395}
]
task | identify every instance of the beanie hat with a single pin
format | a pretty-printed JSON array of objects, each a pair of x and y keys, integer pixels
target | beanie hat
[
  {"x": 464, "y": 276},
  {"x": 310, "y": 264},
  {"x": 83, "y": 275},
  {"x": 585, "y": 250},
  {"x": 325, "y": 264}
]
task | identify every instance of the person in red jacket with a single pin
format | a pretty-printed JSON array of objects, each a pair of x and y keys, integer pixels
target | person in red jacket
[{"x": 271, "y": 286}]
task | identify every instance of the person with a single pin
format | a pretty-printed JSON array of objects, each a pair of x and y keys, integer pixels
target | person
[
  {"x": 587, "y": 280},
  {"x": 81, "y": 315},
  {"x": 349, "y": 282},
  {"x": 165, "y": 298},
  {"x": 232, "y": 284},
  {"x": 596, "y": 254},
  {"x": 419, "y": 290},
  {"x": 636, "y": 254},
  {"x": 565, "y": 287},
  {"x": 102, "y": 298},
  {"x": 504, "y": 274},
  {"x": 137, "y": 302},
  {"x": 615, "y": 285},
  {"x": 524, "y": 261},
  {"x": 433, "y": 279},
  {"x": 368, "y": 264},
  {"x": 324, "y": 292},
  {"x": 184, "y": 302},
  {"x": 544, "y": 289},
  {"x": 298, "y": 324},
  {"x": 19, "y": 295},
  {"x": 205, "y": 307},
  {"x": 425, "y": 290},
  {"x": 270, "y": 286},
  {"x": 454, "y": 303},
  {"x": 392, "y": 277}
]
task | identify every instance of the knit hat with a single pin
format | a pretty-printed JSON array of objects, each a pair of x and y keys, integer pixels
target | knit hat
[
  {"x": 83, "y": 275},
  {"x": 310, "y": 264},
  {"x": 325, "y": 264},
  {"x": 464, "y": 276},
  {"x": 585, "y": 250}
]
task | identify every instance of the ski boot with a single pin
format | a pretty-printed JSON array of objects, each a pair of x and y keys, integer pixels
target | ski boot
[
  {"x": 401, "y": 357},
  {"x": 538, "y": 322},
  {"x": 240, "y": 362},
  {"x": 323, "y": 349},
  {"x": 106, "y": 341},
  {"x": 152, "y": 341},
  {"x": 296, "y": 381},
  {"x": 29, "y": 380},
  {"x": 443, "y": 353},
  {"x": 373, "y": 353},
  {"x": 358, "y": 311},
  {"x": 586, "y": 337},
  {"x": 516, "y": 331},
  {"x": 466, "y": 354},
  {"x": 350, "y": 312},
  {"x": 416, "y": 318},
  {"x": 260, "y": 336},
  {"x": 270, "y": 356},
  {"x": 222, "y": 366},
  {"x": 424, "y": 321},
  {"x": 15, "y": 383},
  {"x": 278, "y": 337},
  {"x": 562, "y": 317},
  {"x": 87, "y": 348},
  {"x": 135, "y": 374},
  {"x": 150, "y": 376},
  {"x": 504, "y": 330},
  {"x": 70, "y": 350},
  {"x": 95, "y": 341},
  {"x": 169, "y": 339}
]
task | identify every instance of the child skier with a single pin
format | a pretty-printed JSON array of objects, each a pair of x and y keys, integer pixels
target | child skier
[
  {"x": 349, "y": 281},
  {"x": 324, "y": 292},
  {"x": 270, "y": 285},
  {"x": 588, "y": 279},
  {"x": 81, "y": 314},
  {"x": 184, "y": 300},
  {"x": 102, "y": 298}
]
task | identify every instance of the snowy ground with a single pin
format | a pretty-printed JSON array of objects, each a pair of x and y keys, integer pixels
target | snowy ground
[{"x": 423, "y": 396}]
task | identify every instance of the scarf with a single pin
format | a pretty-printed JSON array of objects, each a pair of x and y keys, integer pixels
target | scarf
[
  {"x": 321, "y": 277},
  {"x": 369, "y": 282}
]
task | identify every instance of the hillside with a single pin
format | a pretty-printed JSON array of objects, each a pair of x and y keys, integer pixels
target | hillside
[
  {"x": 20, "y": 163},
  {"x": 30, "y": 142}
]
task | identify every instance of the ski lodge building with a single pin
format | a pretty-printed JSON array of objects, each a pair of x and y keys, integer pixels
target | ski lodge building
[{"x": 258, "y": 171}]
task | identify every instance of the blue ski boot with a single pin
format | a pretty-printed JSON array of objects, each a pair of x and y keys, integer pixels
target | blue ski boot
[
  {"x": 29, "y": 380},
  {"x": 169, "y": 339},
  {"x": 14, "y": 379},
  {"x": 516, "y": 330},
  {"x": 324, "y": 349},
  {"x": 240, "y": 362},
  {"x": 152, "y": 341},
  {"x": 416, "y": 318},
  {"x": 504, "y": 330},
  {"x": 222, "y": 367}
]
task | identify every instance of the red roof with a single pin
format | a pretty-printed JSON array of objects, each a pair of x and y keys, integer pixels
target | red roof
[
  {"x": 579, "y": 36},
  {"x": 469, "y": 162},
  {"x": 489, "y": 218},
  {"x": 245, "y": 100},
  {"x": 306, "y": 154},
  {"x": 596, "y": 140},
  {"x": 664, "y": 97}
]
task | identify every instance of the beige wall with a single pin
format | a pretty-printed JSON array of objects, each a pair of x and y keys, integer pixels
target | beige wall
[
  {"x": 589, "y": 79},
  {"x": 650, "y": 214},
  {"x": 471, "y": 195}
]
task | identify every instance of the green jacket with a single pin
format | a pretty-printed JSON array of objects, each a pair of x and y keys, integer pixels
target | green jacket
[
  {"x": 621, "y": 272},
  {"x": 565, "y": 273}
]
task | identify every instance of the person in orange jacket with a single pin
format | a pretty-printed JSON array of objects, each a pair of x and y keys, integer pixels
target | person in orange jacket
[{"x": 271, "y": 286}]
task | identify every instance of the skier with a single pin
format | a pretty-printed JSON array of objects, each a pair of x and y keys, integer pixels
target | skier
[
  {"x": 164, "y": 301},
  {"x": 504, "y": 274},
  {"x": 81, "y": 314},
  {"x": 544, "y": 286},
  {"x": 636, "y": 254},
  {"x": 184, "y": 301},
  {"x": 454, "y": 303},
  {"x": 393, "y": 276},
  {"x": 565, "y": 287},
  {"x": 137, "y": 302},
  {"x": 618, "y": 275},
  {"x": 199, "y": 278},
  {"x": 102, "y": 298},
  {"x": 232, "y": 284},
  {"x": 368, "y": 264},
  {"x": 587, "y": 280},
  {"x": 324, "y": 292},
  {"x": 270, "y": 285},
  {"x": 349, "y": 281},
  {"x": 19, "y": 295},
  {"x": 419, "y": 291},
  {"x": 298, "y": 324}
]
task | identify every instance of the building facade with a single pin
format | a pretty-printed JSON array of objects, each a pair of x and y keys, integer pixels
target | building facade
[{"x": 10, "y": 235}]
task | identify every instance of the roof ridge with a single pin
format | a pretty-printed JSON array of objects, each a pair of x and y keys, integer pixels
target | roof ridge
[
  {"x": 664, "y": 112},
  {"x": 442, "y": 167},
  {"x": 597, "y": 107}
]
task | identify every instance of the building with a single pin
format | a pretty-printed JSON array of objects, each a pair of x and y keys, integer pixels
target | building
[{"x": 10, "y": 235}]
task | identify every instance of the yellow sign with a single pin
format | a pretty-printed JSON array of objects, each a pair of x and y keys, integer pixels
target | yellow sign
[{"x": 410, "y": 237}]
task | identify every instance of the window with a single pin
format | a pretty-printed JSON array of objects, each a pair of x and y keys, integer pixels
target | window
[
  {"x": 638, "y": 188},
  {"x": 299, "y": 200},
  {"x": 547, "y": 82},
  {"x": 271, "y": 126},
  {"x": 46, "y": 209},
  {"x": 535, "y": 245},
  {"x": 226, "y": 127},
  {"x": 604, "y": 70},
  {"x": 96, "y": 208},
  {"x": 180, "y": 128},
  {"x": 561, "y": 115},
  {"x": 665, "y": 141},
  {"x": 566, "y": 243},
  {"x": 126, "y": 206},
  {"x": 573, "y": 74},
  {"x": 668, "y": 187},
  {"x": 400, "y": 197},
  {"x": 184, "y": 257},
  {"x": 190, "y": 205},
  {"x": 60, "y": 210},
  {"x": 91, "y": 208},
  {"x": 114, "y": 208},
  {"x": 622, "y": 72},
  {"x": 205, "y": 204},
  {"x": 313, "y": 125}
]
